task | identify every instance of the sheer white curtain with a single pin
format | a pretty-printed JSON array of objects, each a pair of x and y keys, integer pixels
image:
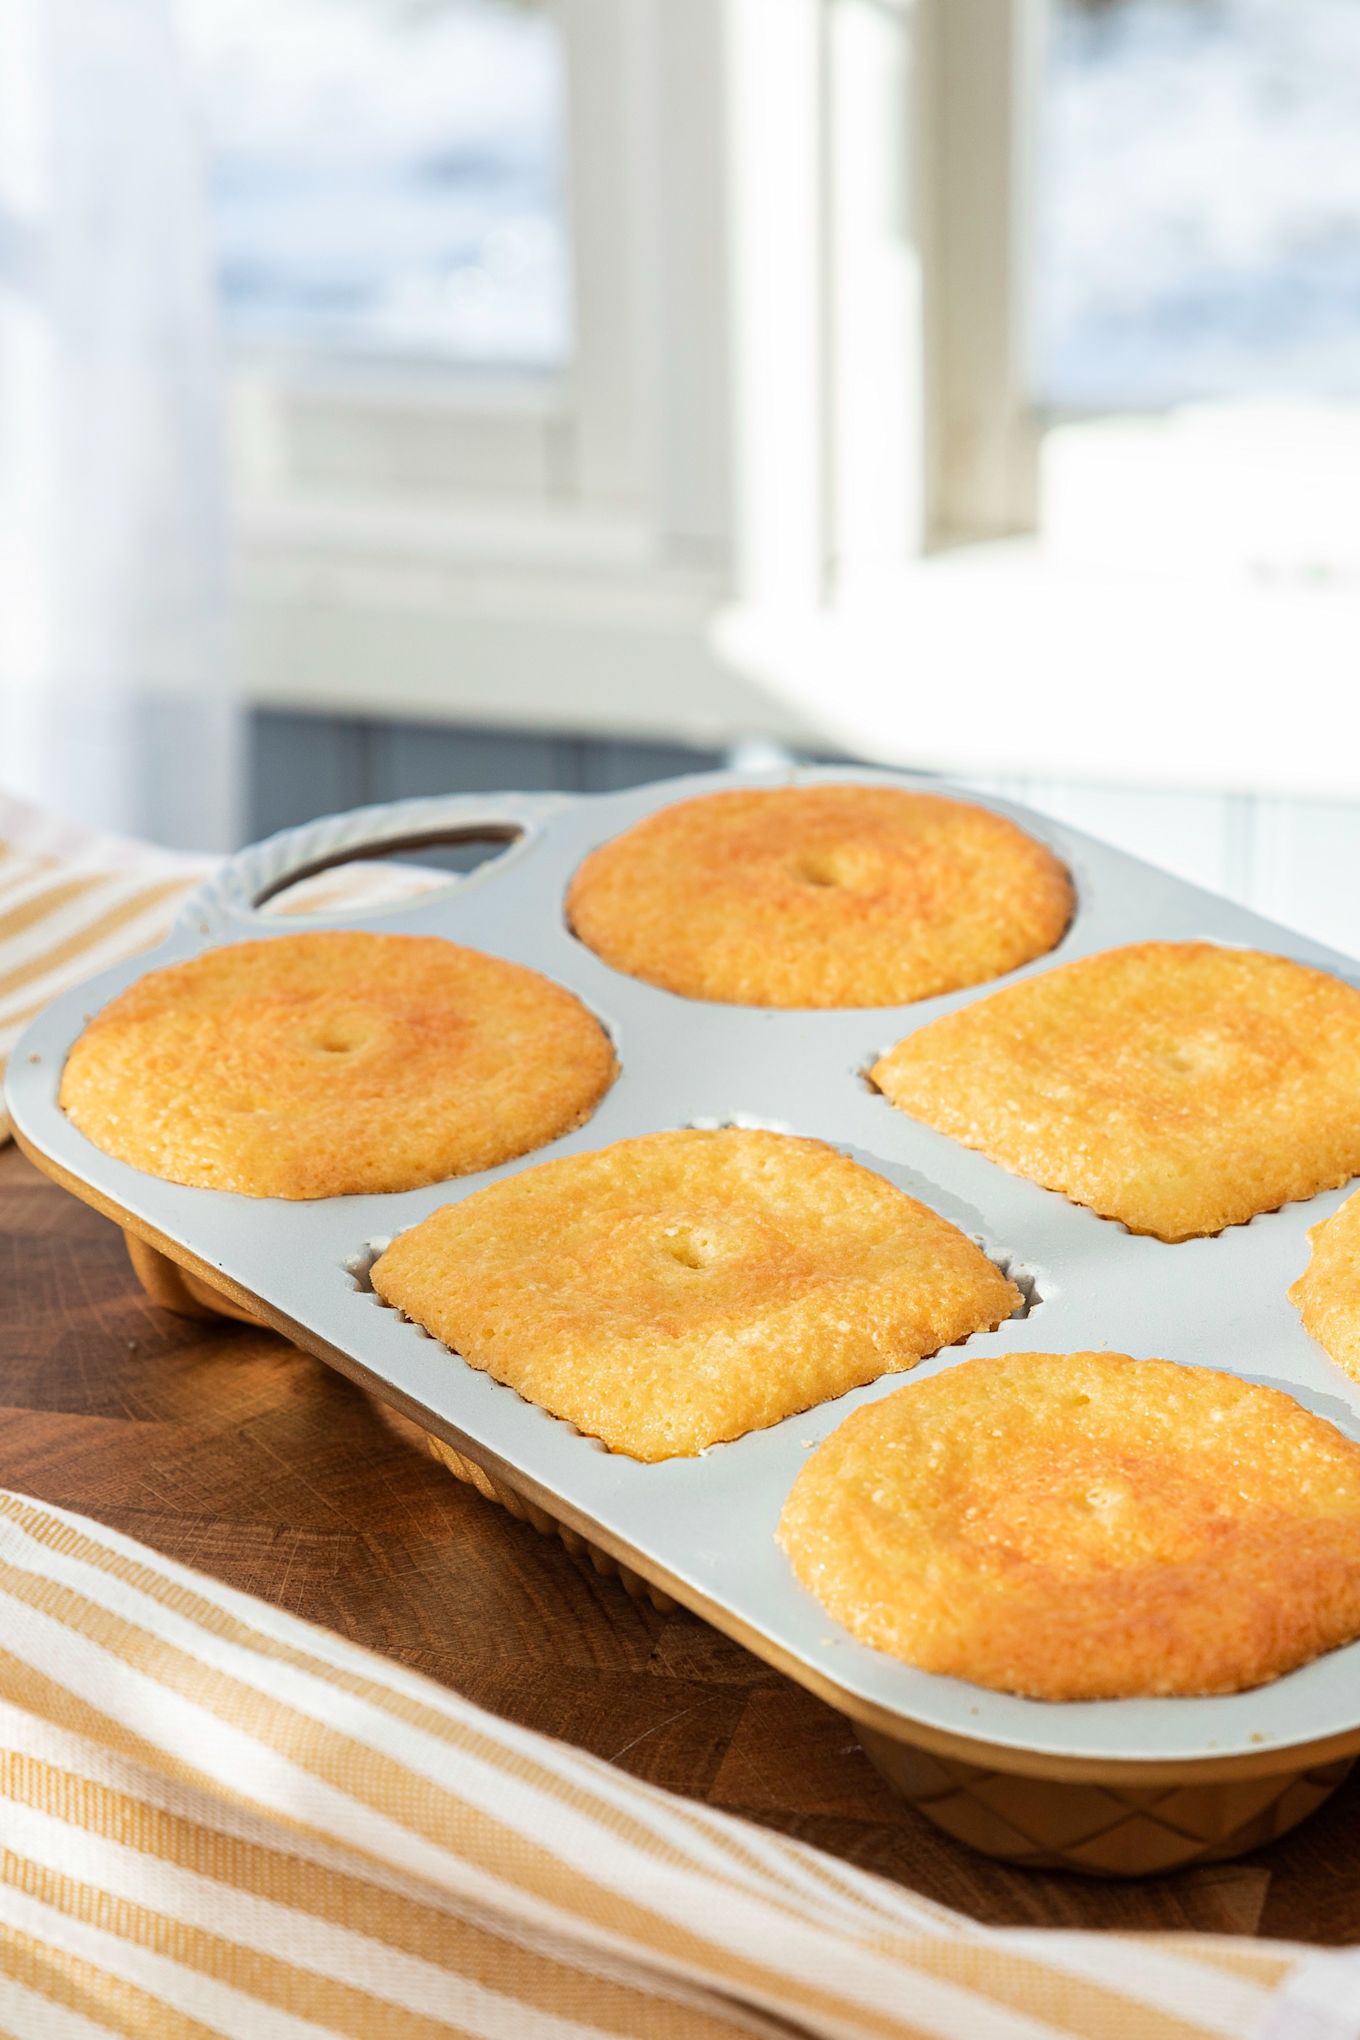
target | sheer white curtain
[{"x": 113, "y": 703}]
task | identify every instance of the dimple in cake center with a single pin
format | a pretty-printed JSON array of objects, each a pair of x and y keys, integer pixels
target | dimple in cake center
[
  {"x": 690, "y": 1247},
  {"x": 822, "y": 868}
]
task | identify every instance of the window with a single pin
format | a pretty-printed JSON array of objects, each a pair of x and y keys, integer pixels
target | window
[
  {"x": 1127, "y": 255},
  {"x": 480, "y": 429},
  {"x": 854, "y": 407}
]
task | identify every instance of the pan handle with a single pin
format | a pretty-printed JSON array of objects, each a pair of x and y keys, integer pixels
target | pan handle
[{"x": 230, "y": 901}]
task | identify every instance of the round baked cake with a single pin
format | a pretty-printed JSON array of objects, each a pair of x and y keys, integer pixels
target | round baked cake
[
  {"x": 326, "y": 1064},
  {"x": 1328, "y": 1292},
  {"x": 1085, "y": 1526},
  {"x": 1180, "y": 1087},
  {"x": 669, "y": 1292},
  {"x": 825, "y": 895}
]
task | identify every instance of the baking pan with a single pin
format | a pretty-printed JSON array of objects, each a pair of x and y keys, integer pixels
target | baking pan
[{"x": 1116, "y": 1787}]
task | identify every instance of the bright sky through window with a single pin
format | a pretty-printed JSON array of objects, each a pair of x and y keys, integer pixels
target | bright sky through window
[
  {"x": 387, "y": 176},
  {"x": 1200, "y": 217}
]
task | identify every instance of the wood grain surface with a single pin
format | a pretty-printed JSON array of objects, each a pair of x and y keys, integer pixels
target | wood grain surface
[{"x": 230, "y": 1450}]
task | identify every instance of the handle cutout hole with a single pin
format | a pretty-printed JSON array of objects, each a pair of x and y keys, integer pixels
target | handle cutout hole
[{"x": 388, "y": 874}]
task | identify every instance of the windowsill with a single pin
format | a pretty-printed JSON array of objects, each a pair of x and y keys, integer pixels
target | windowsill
[
  {"x": 394, "y": 382},
  {"x": 989, "y": 659},
  {"x": 1190, "y": 617},
  {"x": 1207, "y": 641},
  {"x": 1254, "y": 490},
  {"x": 333, "y": 533},
  {"x": 491, "y": 616},
  {"x": 1001, "y": 658}
]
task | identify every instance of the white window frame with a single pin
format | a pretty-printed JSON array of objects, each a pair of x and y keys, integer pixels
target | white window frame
[
  {"x": 786, "y": 485},
  {"x": 585, "y": 439},
  {"x": 587, "y": 534}
]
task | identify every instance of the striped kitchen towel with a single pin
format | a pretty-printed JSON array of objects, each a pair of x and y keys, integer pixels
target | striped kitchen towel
[{"x": 215, "y": 1819}]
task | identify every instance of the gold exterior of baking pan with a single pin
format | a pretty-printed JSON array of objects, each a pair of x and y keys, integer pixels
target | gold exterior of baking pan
[
  {"x": 1107, "y": 1830},
  {"x": 1099, "y": 1825},
  {"x": 179, "y": 1289}
]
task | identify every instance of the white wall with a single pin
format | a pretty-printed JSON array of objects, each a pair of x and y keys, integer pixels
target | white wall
[{"x": 1297, "y": 861}]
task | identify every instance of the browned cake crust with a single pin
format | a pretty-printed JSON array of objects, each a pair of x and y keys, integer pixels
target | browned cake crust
[
  {"x": 669, "y": 1292},
  {"x": 820, "y": 896},
  {"x": 1083, "y": 1526},
  {"x": 1176, "y": 1086},
  {"x": 1328, "y": 1292},
  {"x": 326, "y": 1064}
]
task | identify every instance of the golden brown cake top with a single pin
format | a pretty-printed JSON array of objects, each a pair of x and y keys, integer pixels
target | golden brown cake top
[
  {"x": 672, "y": 1291},
  {"x": 1328, "y": 1292},
  {"x": 1178, "y": 1086},
  {"x": 324, "y": 1064},
  {"x": 828, "y": 895},
  {"x": 1085, "y": 1526}
]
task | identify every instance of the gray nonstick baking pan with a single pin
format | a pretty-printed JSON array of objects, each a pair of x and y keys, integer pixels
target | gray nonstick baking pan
[{"x": 1114, "y": 1787}]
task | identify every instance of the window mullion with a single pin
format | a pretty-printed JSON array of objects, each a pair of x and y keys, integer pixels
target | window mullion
[{"x": 975, "y": 105}]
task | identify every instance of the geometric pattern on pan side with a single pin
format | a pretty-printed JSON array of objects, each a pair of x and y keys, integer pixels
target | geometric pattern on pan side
[
  {"x": 1102, "y": 1830},
  {"x": 672, "y": 1291},
  {"x": 1328, "y": 1292},
  {"x": 326, "y": 1064},
  {"x": 1085, "y": 1526},
  {"x": 524, "y": 1511},
  {"x": 820, "y": 896},
  {"x": 1179, "y": 1087}
]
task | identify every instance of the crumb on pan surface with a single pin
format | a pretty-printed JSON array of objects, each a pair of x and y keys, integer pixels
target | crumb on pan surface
[
  {"x": 1180, "y": 1087},
  {"x": 1085, "y": 1526},
  {"x": 820, "y": 896},
  {"x": 324, "y": 1064},
  {"x": 1327, "y": 1294},
  {"x": 676, "y": 1290}
]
